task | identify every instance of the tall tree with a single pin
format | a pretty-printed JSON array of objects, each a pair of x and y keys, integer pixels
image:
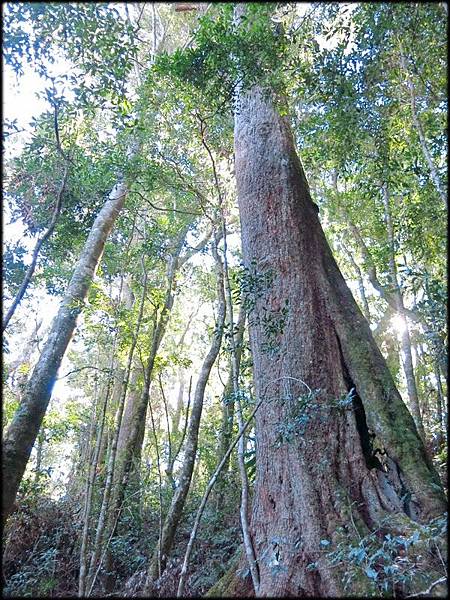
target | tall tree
[
  {"x": 320, "y": 351},
  {"x": 21, "y": 435}
]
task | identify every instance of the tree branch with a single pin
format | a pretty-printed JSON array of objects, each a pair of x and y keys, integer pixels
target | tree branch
[
  {"x": 183, "y": 212},
  {"x": 205, "y": 497},
  {"x": 428, "y": 591},
  {"x": 55, "y": 215}
]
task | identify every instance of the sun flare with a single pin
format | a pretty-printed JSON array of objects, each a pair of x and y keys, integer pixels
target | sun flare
[{"x": 398, "y": 323}]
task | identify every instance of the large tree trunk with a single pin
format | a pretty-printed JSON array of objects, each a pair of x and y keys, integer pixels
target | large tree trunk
[
  {"x": 22, "y": 432},
  {"x": 316, "y": 469}
]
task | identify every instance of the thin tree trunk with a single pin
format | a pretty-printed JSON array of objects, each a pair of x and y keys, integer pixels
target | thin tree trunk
[
  {"x": 22, "y": 432},
  {"x": 176, "y": 508},
  {"x": 166, "y": 413},
  {"x": 394, "y": 298},
  {"x": 244, "y": 510},
  {"x": 223, "y": 462},
  {"x": 423, "y": 387},
  {"x": 175, "y": 455},
  {"x": 314, "y": 461},
  {"x": 37, "y": 248},
  {"x": 104, "y": 518},
  {"x": 406, "y": 339},
  {"x": 128, "y": 415},
  {"x": 18, "y": 375},
  {"x": 179, "y": 406},
  {"x": 440, "y": 403},
  {"x": 390, "y": 298},
  {"x": 90, "y": 483},
  {"x": 160, "y": 498},
  {"x": 40, "y": 439},
  {"x": 418, "y": 125},
  {"x": 117, "y": 407},
  {"x": 226, "y": 429},
  {"x": 362, "y": 291},
  {"x": 132, "y": 452},
  {"x": 132, "y": 448}
]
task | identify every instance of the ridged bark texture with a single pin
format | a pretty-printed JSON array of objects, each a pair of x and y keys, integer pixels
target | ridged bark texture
[
  {"x": 21, "y": 435},
  {"x": 316, "y": 470}
]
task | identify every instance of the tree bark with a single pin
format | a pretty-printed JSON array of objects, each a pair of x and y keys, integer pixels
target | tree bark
[
  {"x": 129, "y": 412},
  {"x": 226, "y": 429},
  {"x": 393, "y": 296},
  {"x": 131, "y": 451},
  {"x": 22, "y": 433},
  {"x": 362, "y": 291},
  {"x": 245, "y": 495},
  {"x": 180, "y": 403},
  {"x": 224, "y": 460},
  {"x": 440, "y": 404},
  {"x": 182, "y": 436},
  {"x": 93, "y": 464},
  {"x": 314, "y": 459},
  {"x": 40, "y": 440},
  {"x": 18, "y": 375}
]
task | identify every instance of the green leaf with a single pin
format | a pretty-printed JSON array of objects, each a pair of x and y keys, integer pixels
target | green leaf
[{"x": 371, "y": 573}]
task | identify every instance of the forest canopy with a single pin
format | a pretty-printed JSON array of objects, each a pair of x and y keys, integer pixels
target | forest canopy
[{"x": 224, "y": 299}]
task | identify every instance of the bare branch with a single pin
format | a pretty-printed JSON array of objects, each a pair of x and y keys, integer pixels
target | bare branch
[
  {"x": 183, "y": 212},
  {"x": 428, "y": 591},
  {"x": 205, "y": 497},
  {"x": 30, "y": 271}
]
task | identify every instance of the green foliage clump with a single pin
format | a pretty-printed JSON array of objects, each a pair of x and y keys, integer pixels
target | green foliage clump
[
  {"x": 231, "y": 52},
  {"x": 389, "y": 563},
  {"x": 41, "y": 552}
]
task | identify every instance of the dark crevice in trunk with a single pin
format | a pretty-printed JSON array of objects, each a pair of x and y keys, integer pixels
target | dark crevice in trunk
[
  {"x": 405, "y": 495},
  {"x": 365, "y": 436}
]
